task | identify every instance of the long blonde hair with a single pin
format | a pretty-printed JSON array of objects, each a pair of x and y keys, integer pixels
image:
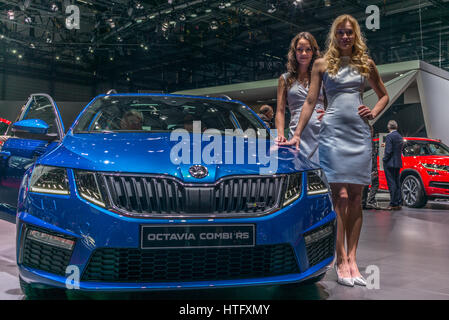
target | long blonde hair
[
  {"x": 292, "y": 63},
  {"x": 359, "y": 57}
]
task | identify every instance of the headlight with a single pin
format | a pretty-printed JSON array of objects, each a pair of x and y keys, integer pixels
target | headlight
[
  {"x": 87, "y": 185},
  {"x": 316, "y": 182},
  {"x": 433, "y": 166},
  {"x": 51, "y": 180},
  {"x": 294, "y": 187}
]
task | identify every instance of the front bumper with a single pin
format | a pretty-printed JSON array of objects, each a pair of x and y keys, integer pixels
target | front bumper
[{"x": 95, "y": 229}]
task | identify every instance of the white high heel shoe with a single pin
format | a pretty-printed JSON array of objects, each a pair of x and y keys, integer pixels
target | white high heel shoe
[
  {"x": 360, "y": 281},
  {"x": 344, "y": 281}
]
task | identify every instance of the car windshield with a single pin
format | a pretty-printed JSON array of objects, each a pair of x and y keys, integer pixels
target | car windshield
[
  {"x": 426, "y": 148},
  {"x": 149, "y": 114}
]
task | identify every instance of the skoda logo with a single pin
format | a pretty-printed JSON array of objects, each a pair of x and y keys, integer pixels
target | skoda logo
[{"x": 198, "y": 171}]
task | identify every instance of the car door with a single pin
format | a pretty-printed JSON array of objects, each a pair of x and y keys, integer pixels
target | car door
[{"x": 22, "y": 148}]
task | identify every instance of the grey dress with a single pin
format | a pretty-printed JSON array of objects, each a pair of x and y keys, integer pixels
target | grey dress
[
  {"x": 345, "y": 138},
  {"x": 296, "y": 96}
]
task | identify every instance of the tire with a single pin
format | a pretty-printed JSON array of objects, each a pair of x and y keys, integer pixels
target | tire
[
  {"x": 39, "y": 292},
  {"x": 412, "y": 191}
]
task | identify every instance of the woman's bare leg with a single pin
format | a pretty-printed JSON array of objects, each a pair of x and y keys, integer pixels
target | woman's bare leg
[
  {"x": 354, "y": 225},
  {"x": 340, "y": 201}
]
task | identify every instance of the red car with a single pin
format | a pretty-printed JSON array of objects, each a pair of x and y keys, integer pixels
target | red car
[
  {"x": 4, "y": 124},
  {"x": 424, "y": 173}
]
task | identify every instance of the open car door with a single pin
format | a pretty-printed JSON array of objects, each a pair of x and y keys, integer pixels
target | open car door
[{"x": 38, "y": 130}]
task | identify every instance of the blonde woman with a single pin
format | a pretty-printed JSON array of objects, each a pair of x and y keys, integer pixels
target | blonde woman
[
  {"x": 292, "y": 90},
  {"x": 345, "y": 137}
]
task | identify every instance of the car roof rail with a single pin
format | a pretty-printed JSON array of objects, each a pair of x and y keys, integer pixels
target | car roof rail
[
  {"x": 112, "y": 91},
  {"x": 224, "y": 96}
]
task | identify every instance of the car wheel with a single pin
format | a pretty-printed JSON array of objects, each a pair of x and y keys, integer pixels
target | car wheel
[
  {"x": 413, "y": 193},
  {"x": 32, "y": 292}
]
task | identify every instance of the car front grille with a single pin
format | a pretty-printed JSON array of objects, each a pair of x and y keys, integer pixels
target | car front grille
[
  {"x": 442, "y": 185},
  {"x": 44, "y": 257},
  {"x": 182, "y": 265},
  {"x": 166, "y": 196},
  {"x": 322, "y": 248}
]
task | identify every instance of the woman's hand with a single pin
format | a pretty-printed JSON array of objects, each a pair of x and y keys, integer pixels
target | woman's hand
[
  {"x": 295, "y": 141},
  {"x": 320, "y": 113},
  {"x": 365, "y": 113},
  {"x": 280, "y": 139}
]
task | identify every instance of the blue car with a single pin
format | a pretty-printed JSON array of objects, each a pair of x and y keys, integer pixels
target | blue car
[{"x": 153, "y": 192}]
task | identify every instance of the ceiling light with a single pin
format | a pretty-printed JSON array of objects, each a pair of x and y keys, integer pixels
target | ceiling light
[
  {"x": 111, "y": 23},
  {"x": 28, "y": 19},
  {"x": 14, "y": 51},
  {"x": 139, "y": 6},
  {"x": 227, "y": 4},
  {"x": 32, "y": 46},
  {"x": 54, "y": 7},
  {"x": 214, "y": 25},
  {"x": 327, "y": 3},
  {"x": 182, "y": 17},
  {"x": 10, "y": 14},
  {"x": 208, "y": 10},
  {"x": 20, "y": 56},
  {"x": 221, "y": 5},
  {"x": 57, "y": 57},
  {"x": 193, "y": 15},
  {"x": 272, "y": 8}
]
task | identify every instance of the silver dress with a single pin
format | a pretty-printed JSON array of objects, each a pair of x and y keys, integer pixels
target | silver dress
[
  {"x": 345, "y": 138},
  {"x": 296, "y": 96}
]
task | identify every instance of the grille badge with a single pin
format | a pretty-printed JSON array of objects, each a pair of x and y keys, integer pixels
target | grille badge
[{"x": 198, "y": 171}]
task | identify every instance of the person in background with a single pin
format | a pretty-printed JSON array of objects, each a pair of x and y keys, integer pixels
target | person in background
[
  {"x": 132, "y": 120},
  {"x": 293, "y": 87},
  {"x": 266, "y": 113},
  {"x": 393, "y": 164},
  {"x": 369, "y": 194}
]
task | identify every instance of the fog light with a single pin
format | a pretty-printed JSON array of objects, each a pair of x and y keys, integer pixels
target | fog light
[
  {"x": 50, "y": 239},
  {"x": 319, "y": 234}
]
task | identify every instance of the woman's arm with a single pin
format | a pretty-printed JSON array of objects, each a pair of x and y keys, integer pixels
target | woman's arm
[
  {"x": 310, "y": 102},
  {"x": 378, "y": 86},
  {"x": 280, "y": 110}
]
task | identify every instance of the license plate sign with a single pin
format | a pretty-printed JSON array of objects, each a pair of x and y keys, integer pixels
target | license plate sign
[{"x": 197, "y": 236}]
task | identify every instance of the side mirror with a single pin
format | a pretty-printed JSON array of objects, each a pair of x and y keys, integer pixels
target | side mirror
[{"x": 31, "y": 126}]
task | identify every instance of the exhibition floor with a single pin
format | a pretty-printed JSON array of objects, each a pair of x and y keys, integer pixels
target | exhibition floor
[{"x": 410, "y": 248}]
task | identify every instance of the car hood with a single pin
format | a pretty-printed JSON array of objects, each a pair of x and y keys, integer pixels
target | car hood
[
  {"x": 440, "y": 160},
  {"x": 151, "y": 153}
]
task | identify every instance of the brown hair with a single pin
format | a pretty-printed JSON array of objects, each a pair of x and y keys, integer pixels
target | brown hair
[{"x": 292, "y": 63}]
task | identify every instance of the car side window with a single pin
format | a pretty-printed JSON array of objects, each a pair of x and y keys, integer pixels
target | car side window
[{"x": 411, "y": 149}]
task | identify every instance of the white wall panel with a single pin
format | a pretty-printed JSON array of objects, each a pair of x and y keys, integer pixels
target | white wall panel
[{"x": 434, "y": 93}]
